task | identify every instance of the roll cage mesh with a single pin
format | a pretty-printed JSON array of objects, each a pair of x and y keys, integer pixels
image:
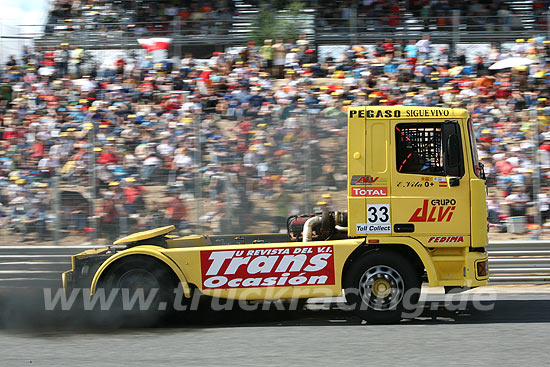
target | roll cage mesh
[{"x": 419, "y": 148}]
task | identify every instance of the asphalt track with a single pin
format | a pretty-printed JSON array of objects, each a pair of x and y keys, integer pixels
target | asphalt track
[{"x": 516, "y": 331}]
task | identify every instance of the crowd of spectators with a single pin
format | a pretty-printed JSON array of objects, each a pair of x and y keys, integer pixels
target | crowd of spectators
[{"x": 240, "y": 131}]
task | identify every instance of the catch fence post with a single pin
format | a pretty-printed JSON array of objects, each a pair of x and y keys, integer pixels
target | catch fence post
[
  {"x": 93, "y": 223},
  {"x": 198, "y": 160},
  {"x": 455, "y": 31},
  {"x": 533, "y": 113},
  {"x": 55, "y": 182}
]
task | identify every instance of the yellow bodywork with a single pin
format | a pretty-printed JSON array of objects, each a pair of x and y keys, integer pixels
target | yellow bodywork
[
  {"x": 190, "y": 262},
  {"x": 135, "y": 237},
  {"x": 185, "y": 261},
  {"x": 148, "y": 250},
  {"x": 442, "y": 222}
]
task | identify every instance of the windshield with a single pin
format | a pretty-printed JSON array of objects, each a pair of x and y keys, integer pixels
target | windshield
[{"x": 473, "y": 148}]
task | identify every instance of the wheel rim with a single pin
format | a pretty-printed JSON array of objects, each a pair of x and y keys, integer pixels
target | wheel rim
[
  {"x": 138, "y": 279},
  {"x": 381, "y": 287}
]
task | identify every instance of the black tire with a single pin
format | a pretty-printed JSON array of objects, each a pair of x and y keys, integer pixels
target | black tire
[
  {"x": 379, "y": 284},
  {"x": 131, "y": 275}
]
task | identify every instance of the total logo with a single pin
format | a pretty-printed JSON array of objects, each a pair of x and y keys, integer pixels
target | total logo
[
  {"x": 369, "y": 191},
  {"x": 434, "y": 211}
]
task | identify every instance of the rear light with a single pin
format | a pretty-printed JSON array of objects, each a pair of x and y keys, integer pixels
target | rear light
[{"x": 482, "y": 269}]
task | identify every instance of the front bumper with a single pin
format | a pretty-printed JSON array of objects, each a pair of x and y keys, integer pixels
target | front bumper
[
  {"x": 67, "y": 280},
  {"x": 477, "y": 269},
  {"x": 84, "y": 267}
]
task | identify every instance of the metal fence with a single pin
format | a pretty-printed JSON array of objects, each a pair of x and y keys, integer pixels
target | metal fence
[
  {"x": 235, "y": 175},
  {"x": 211, "y": 174}
]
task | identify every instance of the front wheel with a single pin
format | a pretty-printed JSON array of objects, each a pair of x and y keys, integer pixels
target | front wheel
[
  {"x": 381, "y": 285},
  {"x": 143, "y": 289}
]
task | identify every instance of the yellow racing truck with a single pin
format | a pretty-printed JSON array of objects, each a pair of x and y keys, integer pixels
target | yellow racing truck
[{"x": 416, "y": 213}]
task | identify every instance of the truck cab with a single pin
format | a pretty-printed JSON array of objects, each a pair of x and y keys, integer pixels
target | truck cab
[{"x": 413, "y": 172}]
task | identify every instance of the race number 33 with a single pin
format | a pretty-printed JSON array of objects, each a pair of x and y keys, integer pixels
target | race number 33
[
  {"x": 378, "y": 220},
  {"x": 378, "y": 214}
]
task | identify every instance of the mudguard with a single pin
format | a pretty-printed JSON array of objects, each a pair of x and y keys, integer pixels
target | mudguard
[
  {"x": 148, "y": 250},
  {"x": 420, "y": 250}
]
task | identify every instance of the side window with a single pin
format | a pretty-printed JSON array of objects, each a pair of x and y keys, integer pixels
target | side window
[{"x": 419, "y": 149}]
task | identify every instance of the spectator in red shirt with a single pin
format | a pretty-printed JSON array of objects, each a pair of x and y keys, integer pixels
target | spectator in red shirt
[
  {"x": 175, "y": 211},
  {"x": 133, "y": 196},
  {"x": 184, "y": 14},
  {"x": 503, "y": 166},
  {"x": 120, "y": 64},
  {"x": 389, "y": 48},
  {"x": 38, "y": 149},
  {"x": 109, "y": 217},
  {"x": 107, "y": 156}
]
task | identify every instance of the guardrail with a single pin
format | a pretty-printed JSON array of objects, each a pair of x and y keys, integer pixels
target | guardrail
[
  {"x": 35, "y": 265},
  {"x": 519, "y": 262},
  {"x": 510, "y": 262}
]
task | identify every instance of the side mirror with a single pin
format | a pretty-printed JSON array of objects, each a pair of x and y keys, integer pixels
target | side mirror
[
  {"x": 452, "y": 149},
  {"x": 454, "y": 181}
]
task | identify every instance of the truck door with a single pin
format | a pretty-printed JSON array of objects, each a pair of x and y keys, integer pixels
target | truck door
[
  {"x": 374, "y": 187},
  {"x": 368, "y": 174},
  {"x": 430, "y": 187},
  {"x": 357, "y": 155}
]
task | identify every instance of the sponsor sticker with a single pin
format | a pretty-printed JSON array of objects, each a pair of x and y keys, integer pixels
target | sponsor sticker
[
  {"x": 414, "y": 184},
  {"x": 428, "y": 112},
  {"x": 366, "y": 228},
  {"x": 369, "y": 191},
  {"x": 268, "y": 267},
  {"x": 446, "y": 239},
  {"x": 366, "y": 180},
  {"x": 378, "y": 220},
  {"x": 440, "y": 181},
  {"x": 434, "y": 211},
  {"x": 389, "y": 113}
]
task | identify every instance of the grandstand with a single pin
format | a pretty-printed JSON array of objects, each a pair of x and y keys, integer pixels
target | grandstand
[{"x": 117, "y": 24}]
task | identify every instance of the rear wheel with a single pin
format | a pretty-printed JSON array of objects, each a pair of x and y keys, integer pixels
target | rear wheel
[{"x": 381, "y": 286}]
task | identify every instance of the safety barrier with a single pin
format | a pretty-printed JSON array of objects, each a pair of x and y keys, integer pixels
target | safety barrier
[
  {"x": 519, "y": 262},
  {"x": 510, "y": 262},
  {"x": 35, "y": 265}
]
